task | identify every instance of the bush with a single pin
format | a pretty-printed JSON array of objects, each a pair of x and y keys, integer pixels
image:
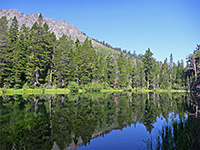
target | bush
[
  {"x": 25, "y": 86},
  {"x": 73, "y": 86},
  {"x": 96, "y": 87}
]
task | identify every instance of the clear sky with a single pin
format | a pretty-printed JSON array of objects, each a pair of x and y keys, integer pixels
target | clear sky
[{"x": 164, "y": 26}]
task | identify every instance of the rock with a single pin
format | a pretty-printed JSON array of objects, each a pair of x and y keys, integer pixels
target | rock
[{"x": 59, "y": 28}]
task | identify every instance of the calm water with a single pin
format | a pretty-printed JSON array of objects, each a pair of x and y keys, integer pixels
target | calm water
[{"x": 90, "y": 121}]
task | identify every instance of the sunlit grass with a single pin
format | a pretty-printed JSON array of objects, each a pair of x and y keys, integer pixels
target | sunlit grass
[
  {"x": 66, "y": 91},
  {"x": 56, "y": 91}
]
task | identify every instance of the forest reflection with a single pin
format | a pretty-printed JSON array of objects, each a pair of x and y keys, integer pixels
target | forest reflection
[{"x": 69, "y": 121}]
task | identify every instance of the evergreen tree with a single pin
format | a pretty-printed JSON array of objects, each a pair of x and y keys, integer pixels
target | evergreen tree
[
  {"x": 35, "y": 56},
  {"x": 109, "y": 70},
  {"x": 164, "y": 75},
  {"x": 122, "y": 71},
  {"x": 8, "y": 52},
  {"x": 63, "y": 58},
  {"x": 148, "y": 61},
  {"x": 4, "y": 50},
  {"x": 155, "y": 75},
  {"x": 19, "y": 62},
  {"x": 49, "y": 48},
  {"x": 25, "y": 31},
  {"x": 138, "y": 74},
  {"x": 99, "y": 73},
  {"x": 89, "y": 57},
  {"x": 78, "y": 62},
  {"x": 129, "y": 71},
  {"x": 13, "y": 31},
  {"x": 38, "y": 56}
]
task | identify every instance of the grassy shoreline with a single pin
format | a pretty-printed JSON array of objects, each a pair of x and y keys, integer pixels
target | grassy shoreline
[{"x": 67, "y": 91}]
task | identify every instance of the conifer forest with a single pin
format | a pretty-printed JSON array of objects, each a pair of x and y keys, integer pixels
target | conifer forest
[
  {"x": 34, "y": 57},
  {"x": 70, "y": 91}
]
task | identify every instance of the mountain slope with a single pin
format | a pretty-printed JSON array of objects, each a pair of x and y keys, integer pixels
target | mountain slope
[{"x": 59, "y": 28}]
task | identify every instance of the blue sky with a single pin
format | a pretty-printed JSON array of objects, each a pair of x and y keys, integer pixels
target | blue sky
[{"x": 164, "y": 26}]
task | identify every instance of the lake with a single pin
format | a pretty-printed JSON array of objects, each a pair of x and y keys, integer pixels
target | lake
[{"x": 91, "y": 121}]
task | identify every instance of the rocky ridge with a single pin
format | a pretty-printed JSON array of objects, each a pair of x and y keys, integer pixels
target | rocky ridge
[{"x": 59, "y": 28}]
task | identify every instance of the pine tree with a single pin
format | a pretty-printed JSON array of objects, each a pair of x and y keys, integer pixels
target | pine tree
[
  {"x": 13, "y": 31},
  {"x": 165, "y": 75},
  {"x": 38, "y": 55},
  {"x": 155, "y": 75},
  {"x": 178, "y": 75},
  {"x": 129, "y": 70},
  {"x": 78, "y": 62},
  {"x": 9, "y": 50},
  {"x": 109, "y": 70},
  {"x": 4, "y": 50},
  {"x": 99, "y": 70},
  {"x": 60, "y": 61},
  {"x": 25, "y": 31},
  {"x": 19, "y": 62},
  {"x": 148, "y": 61},
  {"x": 139, "y": 75},
  {"x": 64, "y": 61},
  {"x": 89, "y": 57},
  {"x": 49, "y": 48},
  {"x": 122, "y": 71}
]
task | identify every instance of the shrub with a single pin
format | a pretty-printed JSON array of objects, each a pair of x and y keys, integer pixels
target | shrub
[
  {"x": 25, "y": 86},
  {"x": 73, "y": 86},
  {"x": 96, "y": 87}
]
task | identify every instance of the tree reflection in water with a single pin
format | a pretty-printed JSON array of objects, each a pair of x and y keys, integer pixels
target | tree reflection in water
[
  {"x": 69, "y": 121},
  {"x": 182, "y": 134}
]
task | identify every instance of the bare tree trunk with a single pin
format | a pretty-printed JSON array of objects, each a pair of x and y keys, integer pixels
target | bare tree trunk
[
  {"x": 197, "y": 107},
  {"x": 51, "y": 126},
  {"x": 51, "y": 70},
  {"x": 78, "y": 79},
  {"x": 195, "y": 69},
  {"x": 62, "y": 99},
  {"x": 158, "y": 100},
  {"x": 36, "y": 105},
  {"x": 50, "y": 80},
  {"x": 158, "y": 81},
  {"x": 36, "y": 77},
  {"x": 148, "y": 96},
  {"x": 130, "y": 81},
  {"x": 148, "y": 84},
  {"x": 63, "y": 82},
  {"x": 154, "y": 98}
]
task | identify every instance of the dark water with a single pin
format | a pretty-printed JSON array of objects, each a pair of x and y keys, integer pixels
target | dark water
[{"x": 90, "y": 121}]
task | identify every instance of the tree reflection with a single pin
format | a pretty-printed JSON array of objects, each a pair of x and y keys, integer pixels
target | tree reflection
[
  {"x": 43, "y": 122},
  {"x": 21, "y": 128},
  {"x": 183, "y": 133}
]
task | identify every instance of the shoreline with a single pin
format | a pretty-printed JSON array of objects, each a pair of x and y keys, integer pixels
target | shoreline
[{"x": 67, "y": 91}]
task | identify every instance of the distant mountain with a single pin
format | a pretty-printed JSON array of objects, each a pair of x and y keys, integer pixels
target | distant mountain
[{"x": 59, "y": 28}]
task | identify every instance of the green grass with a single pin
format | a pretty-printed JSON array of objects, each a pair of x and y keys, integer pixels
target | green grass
[
  {"x": 158, "y": 90},
  {"x": 66, "y": 91},
  {"x": 56, "y": 91},
  {"x": 33, "y": 91},
  {"x": 105, "y": 50},
  {"x": 81, "y": 91},
  {"x": 111, "y": 90},
  {"x": 21, "y": 91},
  {"x": 171, "y": 90}
]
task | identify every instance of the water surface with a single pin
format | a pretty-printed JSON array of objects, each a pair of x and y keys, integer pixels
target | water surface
[{"x": 89, "y": 121}]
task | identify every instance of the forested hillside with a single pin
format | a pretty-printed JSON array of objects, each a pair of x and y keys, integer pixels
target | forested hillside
[
  {"x": 193, "y": 68},
  {"x": 34, "y": 57},
  {"x": 59, "y": 28}
]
